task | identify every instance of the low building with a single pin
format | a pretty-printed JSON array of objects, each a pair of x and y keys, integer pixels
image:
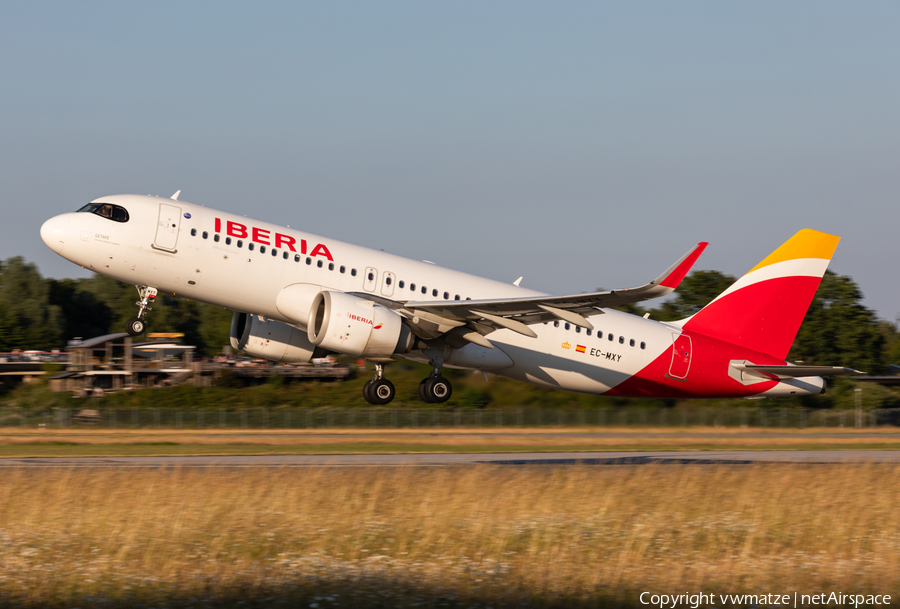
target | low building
[{"x": 113, "y": 362}]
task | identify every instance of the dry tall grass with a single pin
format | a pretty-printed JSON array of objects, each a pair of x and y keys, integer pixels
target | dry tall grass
[{"x": 470, "y": 536}]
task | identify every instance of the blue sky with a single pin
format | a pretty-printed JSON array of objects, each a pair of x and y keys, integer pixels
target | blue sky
[{"x": 581, "y": 145}]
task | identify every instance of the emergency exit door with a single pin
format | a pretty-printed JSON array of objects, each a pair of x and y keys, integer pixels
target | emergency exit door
[{"x": 370, "y": 280}]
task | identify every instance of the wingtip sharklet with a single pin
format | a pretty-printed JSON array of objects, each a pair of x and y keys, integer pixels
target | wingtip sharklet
[{"x": 675, "y": 273}]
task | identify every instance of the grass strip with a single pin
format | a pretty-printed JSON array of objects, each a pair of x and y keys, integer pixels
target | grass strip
[{"x": 63, "y": 449}]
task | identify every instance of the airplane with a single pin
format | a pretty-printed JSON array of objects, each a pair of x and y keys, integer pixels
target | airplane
[{"x": 297, "y": 295}]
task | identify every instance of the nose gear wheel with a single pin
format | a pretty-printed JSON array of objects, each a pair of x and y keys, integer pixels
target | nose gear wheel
[{"x": 137, "y": 325}]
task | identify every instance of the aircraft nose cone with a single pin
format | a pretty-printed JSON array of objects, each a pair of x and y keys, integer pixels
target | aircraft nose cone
[{"x": 53, "y": 232}]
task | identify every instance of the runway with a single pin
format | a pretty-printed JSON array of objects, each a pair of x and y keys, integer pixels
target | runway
[{"x": 687, "y": 457}]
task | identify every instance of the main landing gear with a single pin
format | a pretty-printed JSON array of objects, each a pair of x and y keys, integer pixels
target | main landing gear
[
  {"x": 379, "y": 391},
  {"x": 435, "y": 389},
  {"x": 137, "y": 325}
]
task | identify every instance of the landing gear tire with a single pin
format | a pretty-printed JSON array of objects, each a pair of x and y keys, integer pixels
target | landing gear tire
[
  {"x": 135, "y": 326},
  {"x": 379, "y": 392},
  {"x": 367, "y": 392},
  {"x": 423, "y": 392},
  {"x": 435, "y": 390},
  {"x": 383, "y": 391}
]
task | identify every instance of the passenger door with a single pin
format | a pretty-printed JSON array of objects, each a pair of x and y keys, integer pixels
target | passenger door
[
  {"x": 167, "y": 227},
  {"x": 681, "y": 356}
]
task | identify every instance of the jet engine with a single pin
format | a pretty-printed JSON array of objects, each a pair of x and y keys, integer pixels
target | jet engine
[
  {"x": 272, "y": 340},
  {"x": 348, "y": 324}
]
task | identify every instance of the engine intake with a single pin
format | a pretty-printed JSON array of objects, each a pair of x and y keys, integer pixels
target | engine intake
[
  {"x": 272, "y": 340},
  {"x": 348, "y": 324}
]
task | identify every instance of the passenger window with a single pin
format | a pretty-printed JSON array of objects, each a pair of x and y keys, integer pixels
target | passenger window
[
  {"x": 467, "y": 298},
  {"x": 587, "y": 331},
  {"x": 577, "y": 329},
  {"x": 308, "y": 261},
  {"x": 371, "y": 276},
  {"x": 296, "y": 257},
  {"x": 555, "y": 324},
  {"x": 216, "y": 238},
  {"x": 446, "y": 296},
  {"x": 412, "y": 287},
  {"x": 205, "y": 234},
  {"x": 631, "y": 342},
  {"x": 387, "y": 281},
  {"x": 330, "y": 266},
  {"x": 353, "y": 272},
  {"x": 621, "y": 340},
  {"x": 240, "y": 243},
  {"x": 567, "y": 326},
  {"x": 274, "y": 253},
  {"x": 262, "y": 249},
  {"x": 227, "y": 240},
  {"x": 643, "y": 345},
  {"x": 250, "y": 246},
  {"x": 401, "y": 285},
  {"x": 193, "y": 232},
  {"x": 610, "y": 336},
  {"x": 456, "y": 297},
  {"x": 319, "y": 264},
  {"x": 285, "y": 255},
  {"x": 434, "y": 293},
  {"x": 424, "y": 289},
  {"x": 343, "y": 268}
]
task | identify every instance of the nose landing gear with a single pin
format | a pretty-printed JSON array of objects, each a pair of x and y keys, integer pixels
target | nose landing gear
[
  {"x": 379, "y": 391},
  {"x": 137, "y": 325}
]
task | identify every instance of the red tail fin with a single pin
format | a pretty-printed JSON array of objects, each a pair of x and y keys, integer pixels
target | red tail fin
[{"x": 764, "y": 308}]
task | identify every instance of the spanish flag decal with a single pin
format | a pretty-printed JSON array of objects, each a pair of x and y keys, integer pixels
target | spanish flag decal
[{"x": 580, "y": 348}]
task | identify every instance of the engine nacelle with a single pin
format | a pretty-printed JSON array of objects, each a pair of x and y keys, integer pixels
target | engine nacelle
[
  {"x": 348, "y": 324},
  {"x": 272, "y": 340}
]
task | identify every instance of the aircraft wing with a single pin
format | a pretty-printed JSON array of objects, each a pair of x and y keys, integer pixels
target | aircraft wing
[{"x": 471, "y": 320}]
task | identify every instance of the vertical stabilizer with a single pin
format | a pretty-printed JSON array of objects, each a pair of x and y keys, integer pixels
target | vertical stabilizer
[{"x": 763, "y": 309}]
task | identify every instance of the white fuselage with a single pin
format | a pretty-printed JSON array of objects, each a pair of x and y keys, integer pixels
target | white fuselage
[{"x": 204, "y": 254}]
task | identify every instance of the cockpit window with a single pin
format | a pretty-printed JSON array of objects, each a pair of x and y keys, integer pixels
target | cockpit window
[{"x": 116, "y": 213}]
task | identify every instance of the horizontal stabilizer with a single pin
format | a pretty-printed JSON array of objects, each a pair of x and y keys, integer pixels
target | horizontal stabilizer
[{"x": 790, "y": 372}]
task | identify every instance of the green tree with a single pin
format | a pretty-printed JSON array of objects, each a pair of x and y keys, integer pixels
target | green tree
[
  {"x": 695, "y": 292},
  {"x": 891, "y": 343},
  {"x": 25, "y": 296},
  {"x": 838, "y": 330},
  {"x": 215, "y": 327}
]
